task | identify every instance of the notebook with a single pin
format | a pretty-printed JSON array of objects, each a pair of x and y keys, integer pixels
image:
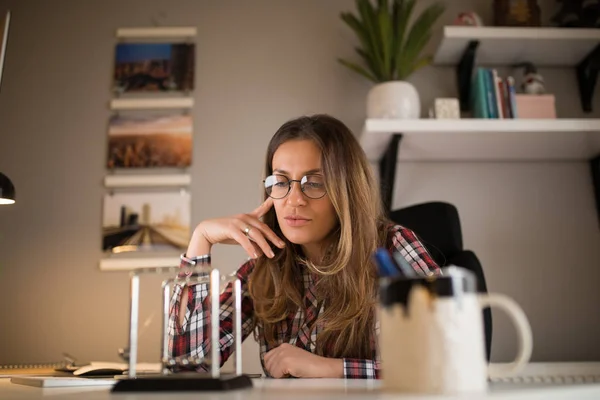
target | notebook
[
  {"x": 94, "y": 368},
  {"x": 62, "y": 381},
  {"x": 32, "y": 369}
]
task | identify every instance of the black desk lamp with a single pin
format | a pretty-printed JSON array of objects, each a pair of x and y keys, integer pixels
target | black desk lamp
[{"x": 7, "y": 190}]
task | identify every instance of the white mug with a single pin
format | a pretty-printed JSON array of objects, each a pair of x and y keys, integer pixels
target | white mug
[{"x": 432, "y": 337}]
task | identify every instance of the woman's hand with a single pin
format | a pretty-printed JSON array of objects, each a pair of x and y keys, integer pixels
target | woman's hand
[
  {"x": 288, "y": 360},
  {"x": 231, "y": 230}
]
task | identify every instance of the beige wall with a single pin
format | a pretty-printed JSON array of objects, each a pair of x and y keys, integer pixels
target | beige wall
[{"x": 260, "y": 63}]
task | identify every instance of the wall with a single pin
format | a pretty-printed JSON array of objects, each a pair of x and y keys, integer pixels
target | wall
[{"x": 259, "y": 64}]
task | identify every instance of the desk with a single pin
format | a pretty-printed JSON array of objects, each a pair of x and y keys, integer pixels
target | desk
[{"x": 301, "y": 389}]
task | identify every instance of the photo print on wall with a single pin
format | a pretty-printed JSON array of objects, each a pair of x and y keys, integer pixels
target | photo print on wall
[
  {"x": 156, "y": 140},
  {"x": 146, "y": 221},
  {"x": 154, "y": 67}
]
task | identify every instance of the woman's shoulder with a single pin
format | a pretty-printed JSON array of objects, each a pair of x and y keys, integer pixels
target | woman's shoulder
[
  {"x": 406, "y": 241},
  {"x": 396, "y": 234}
]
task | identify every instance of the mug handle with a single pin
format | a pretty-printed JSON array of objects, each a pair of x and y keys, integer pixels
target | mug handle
[{"x": 516, "y": 314}]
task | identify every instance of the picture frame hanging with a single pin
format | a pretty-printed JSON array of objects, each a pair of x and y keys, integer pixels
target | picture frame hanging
[
  {"x": 146, "y": 221},
  {"x": 154, "y": 67},
  {"x": 150, "y": 140}
]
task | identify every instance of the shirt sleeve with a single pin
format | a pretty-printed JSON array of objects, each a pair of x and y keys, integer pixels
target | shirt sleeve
[
  {"x": 361, "y": 369},
  {"x": 192, "y": 338},
  {"x": 410, "y": 247}
]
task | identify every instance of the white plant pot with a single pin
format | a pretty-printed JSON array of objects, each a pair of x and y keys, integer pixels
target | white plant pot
[{"x": 394, "y": 99}]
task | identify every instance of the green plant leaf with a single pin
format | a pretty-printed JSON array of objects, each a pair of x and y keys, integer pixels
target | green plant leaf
[
  {"x": 369, "y": 19},
  {"x": 420, "y": 63},
  {"x": 369, "y": 61},
  {"x": 359, "y": 29},
  {"x": 418, "y": 37},
  {"x": 358, "y": 69},
  {"x": 390, "y": 46},
  {"x": 402, "y": 11},
  {"x": 385, "y": 35}
]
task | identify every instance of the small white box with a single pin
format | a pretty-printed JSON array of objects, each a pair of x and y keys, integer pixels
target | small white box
[{"x": 447, "y": 108}]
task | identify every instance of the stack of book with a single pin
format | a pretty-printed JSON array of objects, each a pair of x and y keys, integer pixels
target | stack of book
[{"x": 493, "y": 96}]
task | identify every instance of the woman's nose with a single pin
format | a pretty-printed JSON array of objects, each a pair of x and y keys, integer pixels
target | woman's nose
[{"x": 296, "y": 197}]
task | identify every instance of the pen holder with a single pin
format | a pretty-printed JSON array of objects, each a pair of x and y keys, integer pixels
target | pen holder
[
  {"x": 167, "y": 380},
  {"x": 432, "y": 339}
]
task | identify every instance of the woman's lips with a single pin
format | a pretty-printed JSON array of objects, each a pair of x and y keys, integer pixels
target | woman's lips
[{"x": 296, "y": 221}]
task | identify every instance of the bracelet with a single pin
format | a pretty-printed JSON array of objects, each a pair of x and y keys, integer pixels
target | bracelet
[{"x": 198, "y": 260}]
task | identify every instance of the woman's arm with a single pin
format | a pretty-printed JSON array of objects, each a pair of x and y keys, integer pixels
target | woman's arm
[
  {"x": 361, "y": 369},
  {"x": 406, "y": 242}
]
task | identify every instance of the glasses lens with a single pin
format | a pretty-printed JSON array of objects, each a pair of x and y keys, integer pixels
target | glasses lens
[
  {"x": 313, "y": 186},
  {"x": 277, "y": 186}
]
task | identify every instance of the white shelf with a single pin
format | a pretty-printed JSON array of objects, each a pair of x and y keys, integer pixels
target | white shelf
[
  {"x": 157, "y": 32},
  {"x": 507, "y": 45},
  {"x": 146, "y": 103},
  {"x": 120, "y": 181},
  {"x": 485, "y": 139},
  {"x": 129, "y": 264}
]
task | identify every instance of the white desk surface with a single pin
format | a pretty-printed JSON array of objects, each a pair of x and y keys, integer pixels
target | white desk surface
[{"x": 304, "y": 389}]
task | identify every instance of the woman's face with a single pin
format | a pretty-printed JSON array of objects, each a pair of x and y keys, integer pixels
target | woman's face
[{"x": 303, "y": 220}]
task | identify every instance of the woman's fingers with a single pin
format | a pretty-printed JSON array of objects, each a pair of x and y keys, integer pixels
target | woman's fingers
[
  {"x": 270, "y": 361},
  {"x": 254, "y": 234},
  {"x": 261, "y": 210},
  {"x": 267, "y": 232},
  {"x": 241, "y": 238}
]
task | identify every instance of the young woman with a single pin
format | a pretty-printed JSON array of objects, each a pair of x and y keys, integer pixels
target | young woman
[{"x": 311, "y": 286}]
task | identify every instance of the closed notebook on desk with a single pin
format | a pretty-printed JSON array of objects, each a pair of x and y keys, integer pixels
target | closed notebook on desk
[{"x": 62, "y": 381}]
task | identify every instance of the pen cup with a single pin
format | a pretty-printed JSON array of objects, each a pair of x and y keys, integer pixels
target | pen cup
[{"x": 432, "y": 337}]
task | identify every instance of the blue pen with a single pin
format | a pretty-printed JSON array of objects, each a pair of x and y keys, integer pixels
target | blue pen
[{"x": 385, "y": 264}]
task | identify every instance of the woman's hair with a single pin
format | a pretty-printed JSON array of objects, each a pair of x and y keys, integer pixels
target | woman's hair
[{"x": 346, "y": 277}]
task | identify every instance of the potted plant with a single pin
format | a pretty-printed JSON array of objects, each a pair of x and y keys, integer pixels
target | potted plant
[{"x": 390, "y": 48}]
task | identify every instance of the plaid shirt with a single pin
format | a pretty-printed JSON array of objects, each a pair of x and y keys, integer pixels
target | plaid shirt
[{"x": 192, "y": 339}]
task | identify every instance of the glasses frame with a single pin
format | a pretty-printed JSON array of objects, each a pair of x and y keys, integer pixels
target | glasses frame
[{"x": 290, "y": 182}]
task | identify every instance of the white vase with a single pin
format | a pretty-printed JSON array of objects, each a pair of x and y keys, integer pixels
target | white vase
[{"x": 394, "y": 99}]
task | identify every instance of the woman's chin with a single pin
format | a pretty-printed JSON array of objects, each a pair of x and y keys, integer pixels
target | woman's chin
[{"x": 298, "y": 238}]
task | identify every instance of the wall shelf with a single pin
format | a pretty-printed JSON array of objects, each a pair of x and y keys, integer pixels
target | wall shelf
[
  {"x": 390, "y": 141},
  {"x": 463, "y": 46},
  {"x": 123, "y": 181},
  {"x": 129, "y": 264},
  {"x": 552, "y": 47},
  {"x": 157, "y": 32},
  {"x": 149, "y": 103},
  {"x": 484, "y": 139}
]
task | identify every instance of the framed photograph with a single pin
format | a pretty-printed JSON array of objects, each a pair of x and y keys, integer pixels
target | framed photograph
[
  {"x": 517, "y": 13},
  {"x": 144, "y": 141},
  {"x": 154, "y": 67},
  {"x": 146, "y": 221}
]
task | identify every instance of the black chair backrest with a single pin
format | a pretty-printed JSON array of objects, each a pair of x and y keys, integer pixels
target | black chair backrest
[{"x": 437, "y": 224}]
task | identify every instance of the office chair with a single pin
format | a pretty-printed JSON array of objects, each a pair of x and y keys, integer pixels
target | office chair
[{"x": 437, "y": 224}]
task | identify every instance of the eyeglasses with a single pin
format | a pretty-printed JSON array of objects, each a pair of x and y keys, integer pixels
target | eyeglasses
[{"x": 278, "y": 186}]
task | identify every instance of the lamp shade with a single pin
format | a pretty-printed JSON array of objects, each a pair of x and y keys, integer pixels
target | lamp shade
[{"x": 7, "y": 190}]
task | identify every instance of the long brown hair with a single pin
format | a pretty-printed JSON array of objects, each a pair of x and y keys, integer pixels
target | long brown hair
[{"x": 346, "y": 276}]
